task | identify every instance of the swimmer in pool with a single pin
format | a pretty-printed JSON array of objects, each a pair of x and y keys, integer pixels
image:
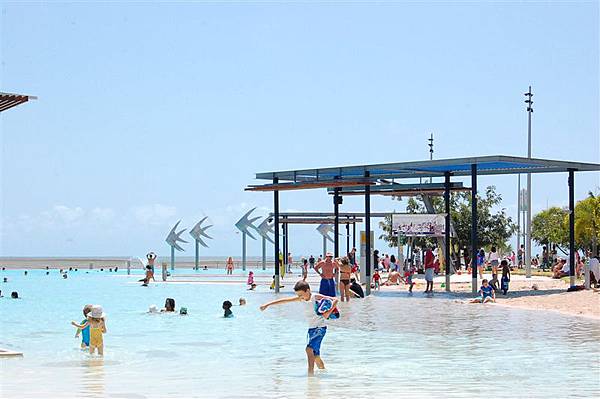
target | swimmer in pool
[
  {"x": 85, "y": 332},
  {"x": 227, "y": 309}
]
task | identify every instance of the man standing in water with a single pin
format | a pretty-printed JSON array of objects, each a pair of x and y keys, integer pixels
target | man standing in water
[{"x": 327, "y": 269}]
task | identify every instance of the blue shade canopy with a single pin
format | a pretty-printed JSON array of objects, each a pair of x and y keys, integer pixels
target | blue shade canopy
[{"x": 486, "y": 165}]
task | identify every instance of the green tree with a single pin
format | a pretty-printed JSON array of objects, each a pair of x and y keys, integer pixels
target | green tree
[
  {"x": 587, "y": 223},
  {"x": 550, "y": 227},
  {"x": 495, "y": 227}
]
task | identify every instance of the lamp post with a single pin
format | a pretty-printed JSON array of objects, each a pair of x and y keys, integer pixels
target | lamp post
[{"x": 529, "y": 103}]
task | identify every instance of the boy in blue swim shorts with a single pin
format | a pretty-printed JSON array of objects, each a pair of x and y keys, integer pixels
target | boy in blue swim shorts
[
  {"x": 85, "y": 333},
  {"x": 317, "y": 326}
]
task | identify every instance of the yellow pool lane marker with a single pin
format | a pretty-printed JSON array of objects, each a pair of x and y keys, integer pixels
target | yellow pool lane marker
[{"x": 7, "y": 353}]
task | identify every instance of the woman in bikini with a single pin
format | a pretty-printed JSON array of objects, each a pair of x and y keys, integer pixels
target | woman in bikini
[{"x": 345, "y": 273}]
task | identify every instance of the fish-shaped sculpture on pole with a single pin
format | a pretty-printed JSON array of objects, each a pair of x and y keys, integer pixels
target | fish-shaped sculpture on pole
[
  {"x": 324, "y": 230},
  {"x": 197, "y": 232},
  {"x": 173, "y": 239},
  {"x": 264, "y": 229},
  {"x": 243, "y": 224}
]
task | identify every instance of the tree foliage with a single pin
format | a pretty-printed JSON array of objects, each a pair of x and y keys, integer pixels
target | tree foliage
[{"x": 551, "y": 226}]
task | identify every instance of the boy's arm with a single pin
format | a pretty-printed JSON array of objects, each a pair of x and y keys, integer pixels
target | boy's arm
[
  {"x": 104, "y": 326},
  {"x": 334, "y": 303},
  {"x": 280, "y": 301}
]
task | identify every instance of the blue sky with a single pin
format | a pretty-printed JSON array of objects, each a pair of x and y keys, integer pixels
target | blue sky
[{"x": 153, "y": 112}]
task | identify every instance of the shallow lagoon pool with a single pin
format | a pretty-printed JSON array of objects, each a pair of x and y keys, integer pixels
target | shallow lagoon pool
[{"x": 389, "y": 345}]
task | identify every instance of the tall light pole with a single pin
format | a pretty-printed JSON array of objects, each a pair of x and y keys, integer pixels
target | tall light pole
[{"x": 529, "y": 103}]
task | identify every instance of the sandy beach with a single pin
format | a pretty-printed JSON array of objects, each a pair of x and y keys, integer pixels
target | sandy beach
[{"x": 550, "y": 295}]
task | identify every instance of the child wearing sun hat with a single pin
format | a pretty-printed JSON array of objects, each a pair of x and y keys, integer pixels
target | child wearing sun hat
[{"x": 95, "y": 320}]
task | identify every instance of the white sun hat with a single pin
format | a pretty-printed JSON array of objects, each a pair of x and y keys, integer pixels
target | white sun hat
[
  {"x": 97, "y": 312},
  {"x": 153, "y": 309}
]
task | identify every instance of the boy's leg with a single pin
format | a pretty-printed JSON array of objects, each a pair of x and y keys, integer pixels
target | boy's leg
[
  {"x": 91, "y": 350},
  {"x": 310, "y": 356},
  {"x": 319, "y": 363},
  {"x": 101, "y": 350}
]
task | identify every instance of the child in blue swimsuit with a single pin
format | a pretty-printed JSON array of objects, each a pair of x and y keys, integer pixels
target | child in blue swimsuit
[
  {"x": 85, "y": 333},
  {"x": 487, "y": 293}
]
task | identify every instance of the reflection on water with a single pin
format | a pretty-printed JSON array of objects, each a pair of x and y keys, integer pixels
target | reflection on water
[
  {"x": 92, "y": 378},
  {"x": 389, "y": 345}
]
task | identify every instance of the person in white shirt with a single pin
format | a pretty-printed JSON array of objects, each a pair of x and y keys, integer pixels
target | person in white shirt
[{"x": 317, "y": 326}]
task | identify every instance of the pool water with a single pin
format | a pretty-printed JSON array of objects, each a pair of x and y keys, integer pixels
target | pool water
[{"x": 388, "y": 345}]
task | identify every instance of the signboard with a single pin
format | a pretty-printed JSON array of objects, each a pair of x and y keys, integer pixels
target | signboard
[
  {"x": 419, "y": 224},
  {"x": 363, "y": 254}
]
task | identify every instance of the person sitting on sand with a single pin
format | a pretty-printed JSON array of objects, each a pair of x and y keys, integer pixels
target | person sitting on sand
[
  {"x": 227, "y": 309},
  {"x": 561, "y": 269},
  {"x": 393, "y": 278},
  {"x": 487, "y": 293},
  {"x": 169, "y": 305}
]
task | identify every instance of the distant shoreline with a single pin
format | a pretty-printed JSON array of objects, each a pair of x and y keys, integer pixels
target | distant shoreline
[{"x": 10, "y": 262}]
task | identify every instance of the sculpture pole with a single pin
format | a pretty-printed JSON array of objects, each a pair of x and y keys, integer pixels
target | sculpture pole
[
  {"x": 197, "y": 232},
  {"x": 242, "y": 226}
]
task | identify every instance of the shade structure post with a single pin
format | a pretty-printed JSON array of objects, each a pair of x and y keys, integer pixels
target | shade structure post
[
  {"x": 347, "y": 238},
  {"x": 354, "y": 233},
  {"x": 287, "y": 245},
  {"x": 572, "y": 227},
  {"x": 276, "y": 230},
  {"x": 284, "y": 233},
  {"x": 447, "y": 228},
  {"x": 324, "y": 246},
  {"x": 368, "y": 252},
  {"x": 474, "y": 240},
  {"x": 336, "y": 222}
]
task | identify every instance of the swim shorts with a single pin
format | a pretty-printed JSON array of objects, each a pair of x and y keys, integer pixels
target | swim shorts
[
  {"x": 429, "y": 274},
  {"x": 327, "y": 287},
  {"x": 315, "y": 337}
]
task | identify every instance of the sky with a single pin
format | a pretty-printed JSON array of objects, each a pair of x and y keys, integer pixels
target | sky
[{"x": 152, "y": 112}]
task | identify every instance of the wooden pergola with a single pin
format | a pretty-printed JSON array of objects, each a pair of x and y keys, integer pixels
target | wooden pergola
[
  {"x": 375, "y": 179},
  {"x": 9, "y": 100}
]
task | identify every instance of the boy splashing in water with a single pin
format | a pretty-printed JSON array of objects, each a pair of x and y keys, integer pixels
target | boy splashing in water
[{"x": 317, "y": 326}]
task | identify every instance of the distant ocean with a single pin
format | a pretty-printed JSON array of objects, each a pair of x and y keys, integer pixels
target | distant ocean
[{"x": 120, "y": 261}]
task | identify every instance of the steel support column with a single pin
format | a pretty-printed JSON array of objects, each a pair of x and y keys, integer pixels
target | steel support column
[
  {"x": 336, "y": 222},
  {"x": 447, "y": 228},
  {"x": 572, "y": 226},
  {"x": 368, "y": 252},
  {"x": 276, "y": 230},
  {"x": 474, "y": 240}
]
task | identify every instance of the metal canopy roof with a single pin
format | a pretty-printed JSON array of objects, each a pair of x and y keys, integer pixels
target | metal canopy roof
[
  {"x": 9, "y": 100},
  {"x": 318, "y": 220},
  {"x": 402, "y": 190},
  {"x": 486, "y": 165}
]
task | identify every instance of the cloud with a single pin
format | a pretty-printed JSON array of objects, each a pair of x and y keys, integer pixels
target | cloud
[
  {"x": 62, "y": 215},
  {"x": 102, "y": 215},
  {"x": 155, "y": 214}
]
